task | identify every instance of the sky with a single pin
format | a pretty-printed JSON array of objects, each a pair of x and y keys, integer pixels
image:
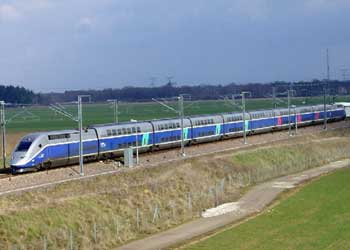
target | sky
[{"x": 57, "y": 45}]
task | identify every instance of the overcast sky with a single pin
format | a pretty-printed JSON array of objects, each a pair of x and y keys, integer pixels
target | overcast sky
[{"x": 72, "y": 44}]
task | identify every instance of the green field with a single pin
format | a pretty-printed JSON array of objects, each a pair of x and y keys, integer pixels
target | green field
[
  {"x": 317, "y": 217},
  {"x": 42, "y": 118}
]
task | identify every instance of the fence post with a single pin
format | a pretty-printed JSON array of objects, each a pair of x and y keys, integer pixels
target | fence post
[
  {"x": 155, "y": 214},
  {"x": 44, "y": 243},
  {"x": 116, "y": 226},
  {"x": 216, "y": 196},
  {"x": 95, "y": 232},
  {"x": 189, "y": 200},
  {"x": 71, "y": 246},
  {"x": 222, "y": 185},
  {"x": 138, "y": 218}
]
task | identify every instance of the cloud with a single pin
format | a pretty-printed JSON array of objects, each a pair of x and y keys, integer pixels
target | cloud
[
  {"x": 9, "y": 13},
  {"x": 85, "y": 24},
  {"x": 326, "y": 5},
  {"x": 22, "y": 9},
  {"x": 255, "y": 10}
]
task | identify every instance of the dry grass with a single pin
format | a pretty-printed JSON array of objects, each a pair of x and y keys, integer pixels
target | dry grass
[{"x": 111, "y": 202}]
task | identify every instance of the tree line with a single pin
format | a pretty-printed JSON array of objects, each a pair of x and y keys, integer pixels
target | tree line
[{"x": 13, "y": 94}]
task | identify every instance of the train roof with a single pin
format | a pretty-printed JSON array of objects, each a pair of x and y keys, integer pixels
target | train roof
[
  {"x": 115, "y": 124},
  {"x": 57, "y": 132}
]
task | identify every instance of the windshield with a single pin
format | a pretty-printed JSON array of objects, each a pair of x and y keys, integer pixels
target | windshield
[{"x": 23, "y": 146}]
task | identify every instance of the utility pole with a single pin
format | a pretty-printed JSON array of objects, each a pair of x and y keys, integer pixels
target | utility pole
[
  {"x": 181, "y": 113},
  {"x": 274, "y": 98},
  {"x": 136, "y": 144},
  {"x": 115, "y": 102},
  {"x": 115, "y": 105},
  {"x": 244, "y": 120},
  {"x": 80, "y": 121},
  {"x": 295, "y": 119},
  {"x": 328, "y": 68},
  {"x": 289, "y": 120},
  {"x": 3, "y": 129},
  {"x": 324, "y": 94},
  {"x": 324, "y": 108}
]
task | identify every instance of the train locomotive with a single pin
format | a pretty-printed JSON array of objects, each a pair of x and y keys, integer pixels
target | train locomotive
[{"x": 60, "y": 148}]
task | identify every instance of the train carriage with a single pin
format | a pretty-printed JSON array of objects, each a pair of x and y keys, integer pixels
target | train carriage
[
  {"x": 114, "y": 138},
  {"x": 167, "y": 132},
  {"x": 51, "y": 149},
  {"x": 207, "y": 128},
  {"x": 233, "y": 124},
  {"x": 262, "y": 121}
]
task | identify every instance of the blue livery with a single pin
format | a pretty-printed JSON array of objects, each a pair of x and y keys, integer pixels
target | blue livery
[{"x": 60, "y": 148}]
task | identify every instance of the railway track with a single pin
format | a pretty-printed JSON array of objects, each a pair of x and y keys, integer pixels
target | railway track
[{"x": 17, "y": 183}]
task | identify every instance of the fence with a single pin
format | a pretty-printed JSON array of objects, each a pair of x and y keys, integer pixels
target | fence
[{"x": 104, "y": 233}]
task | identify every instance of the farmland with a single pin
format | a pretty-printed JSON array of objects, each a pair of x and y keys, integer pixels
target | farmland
[
  {"x": 37, "y": 118},
  {"x": 317, "y": 217}
]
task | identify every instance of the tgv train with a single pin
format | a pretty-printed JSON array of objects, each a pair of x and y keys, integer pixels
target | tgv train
[{"x": 59, "y": 148}]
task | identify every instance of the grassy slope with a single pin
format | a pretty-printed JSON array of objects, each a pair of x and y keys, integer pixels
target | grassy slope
[
  {"x": 317, "y": 217},
  {"x": 103, "y": 113}
]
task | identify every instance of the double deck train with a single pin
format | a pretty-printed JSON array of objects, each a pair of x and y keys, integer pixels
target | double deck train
[{"x": 59, "y": 148}]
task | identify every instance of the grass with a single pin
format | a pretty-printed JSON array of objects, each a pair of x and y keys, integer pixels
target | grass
[
  {"x": 317, "y": 217},
  {"x": 110, "y": 202},
  {"x": 42, "y": 118}
]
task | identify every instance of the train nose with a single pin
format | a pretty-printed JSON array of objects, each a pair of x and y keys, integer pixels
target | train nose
[{"x": 17, "y": 158}]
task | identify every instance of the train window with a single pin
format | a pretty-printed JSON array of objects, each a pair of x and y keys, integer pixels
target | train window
[
  {"x": 114, "y": 131},
  {"x": 138, "y": 130},
  {"x": 109, "y": 132},
  {"x": 129, "y": 130},
  {"x": 61, "y": 136},
  {"x": 124, "y": 130},
  {"x": 119, "y": 131},
  {"x": 24, "y": 145},
  {"x": 134, "y": 130}
]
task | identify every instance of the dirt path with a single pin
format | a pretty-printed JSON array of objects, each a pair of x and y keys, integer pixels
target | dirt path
[{"x": 252, "y": 202}]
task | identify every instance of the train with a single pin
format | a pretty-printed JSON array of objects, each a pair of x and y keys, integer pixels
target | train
[{"x": 44, "y": 150}]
